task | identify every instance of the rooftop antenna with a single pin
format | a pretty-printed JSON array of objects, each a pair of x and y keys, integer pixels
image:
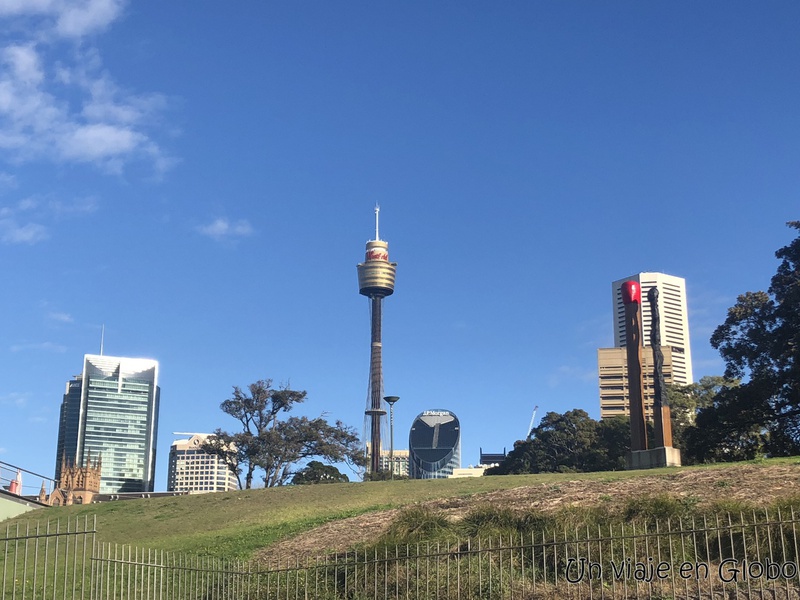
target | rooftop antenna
[
  {"x": 377, "y": 214},
  {"x": 102, "y": 337}
]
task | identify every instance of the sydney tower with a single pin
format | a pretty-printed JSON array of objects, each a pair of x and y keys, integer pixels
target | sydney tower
[{"x": 376, "y": 281}]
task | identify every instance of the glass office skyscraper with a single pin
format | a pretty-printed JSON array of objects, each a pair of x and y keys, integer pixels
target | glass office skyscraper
[
  {"x": 67, "y": 446},
  {"x": 110, "y": 412},
  {"x": 434, "y": 445}
]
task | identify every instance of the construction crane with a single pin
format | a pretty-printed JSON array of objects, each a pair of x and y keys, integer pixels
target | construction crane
[{"x": 530, "y": 427}]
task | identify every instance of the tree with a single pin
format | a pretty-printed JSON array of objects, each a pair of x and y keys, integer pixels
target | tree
[
  {"x": 273, "y": 445},
  {"x": 760, "y": 344},
  {"x": 615, "y": 438},
  {"x": 720, "y": 433},
  {"x": 686, "y": 402},
  {"x": 317, "y": 472},
  {"x": 569, "y": 442},
  {"x": 385, "y": 475}
]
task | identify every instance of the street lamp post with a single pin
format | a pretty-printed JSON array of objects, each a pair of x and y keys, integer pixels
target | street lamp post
[{"x": 390, "y": 400}]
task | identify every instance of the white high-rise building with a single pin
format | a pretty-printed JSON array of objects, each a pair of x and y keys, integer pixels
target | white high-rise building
[
  {"x": 195, "y": 471},
  {"x": 110, "y": 413},
  {"x": 674, "y": 319},
  {"x": 674, "y": 331},
  {"x": 398, "y": 463}
]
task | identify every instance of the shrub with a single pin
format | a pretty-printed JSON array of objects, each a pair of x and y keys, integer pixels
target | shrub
[
  {"x": 487, "y": 520},
  {"x": 419, "y": 523}
]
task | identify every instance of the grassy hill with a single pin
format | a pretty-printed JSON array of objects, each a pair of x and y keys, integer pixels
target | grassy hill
[{"x": 242, "y": 524}]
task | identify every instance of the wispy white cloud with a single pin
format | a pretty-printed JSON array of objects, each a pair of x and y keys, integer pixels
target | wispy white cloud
[
  {"x": 77, "y": 19},
  {"x": 101, "y": 124},
  {"x": 18, "y": 399},
  {"x": 223, "y": 229},
  {"x": 7, "y": 182},
  {"x": 61, "y": 317},
  {"x": 12, "y": 232},
  {"x": 27, "y": 204},
  {"x": 84, "y": 205},
  {"x": 24, "y": 222},
  {"x": 41, "y": 346},
  {"x": 98, "y": 142},
  {"x": 66, "y": 18},
  {"x": 568, "y": 373}
]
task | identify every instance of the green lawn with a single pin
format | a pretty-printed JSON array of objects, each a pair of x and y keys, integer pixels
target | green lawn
[{"x": 235, "y": 524}]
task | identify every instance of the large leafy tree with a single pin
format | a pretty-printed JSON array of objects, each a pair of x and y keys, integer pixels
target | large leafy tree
[
  {"x": 686, "y": 403},
  {"x": 725, "y": 431},
  {"x": 569, "y": 442},
  {"x": 317, "y": 472},
  {"x": 273, "y": 444},
  {"x": 760, "y": 343}
]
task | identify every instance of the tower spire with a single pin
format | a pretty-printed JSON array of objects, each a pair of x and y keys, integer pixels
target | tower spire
[{"x": 377, "y": 215}]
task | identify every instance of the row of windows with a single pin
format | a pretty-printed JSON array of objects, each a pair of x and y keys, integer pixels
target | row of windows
[
  {"x": 113, "y": 398},
  {"x": 119, "y": 443},
  {"x": 119, "y": 430},
  {"x": 209, "y": 461}
]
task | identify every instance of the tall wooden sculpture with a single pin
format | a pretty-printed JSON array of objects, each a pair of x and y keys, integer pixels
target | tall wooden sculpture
[
  {"x": 632, "y": 299},
  {"x": 661, "y": 412}
]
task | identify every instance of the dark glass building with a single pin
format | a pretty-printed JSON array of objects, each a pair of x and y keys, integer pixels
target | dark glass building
[
  {"x": 434, "y": 445},
  {"x": 67, "y": 445}
]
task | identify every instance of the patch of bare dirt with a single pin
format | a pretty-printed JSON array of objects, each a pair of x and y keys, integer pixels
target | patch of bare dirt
[{"x": 753, "y": 484}]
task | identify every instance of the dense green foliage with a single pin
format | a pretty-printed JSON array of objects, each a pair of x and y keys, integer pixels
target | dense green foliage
[
  {"x": 569, "y": 442},
  {"x": 383, "y": 476},
  {"x": 760, "y": 343},
  {"x": 317, "y": 472},
  {"x": 574, "y": 442},
  {"x": 274, "y": 445},
  {"x": 686, "y": 403},
  {"x": 484, "y": 521}
]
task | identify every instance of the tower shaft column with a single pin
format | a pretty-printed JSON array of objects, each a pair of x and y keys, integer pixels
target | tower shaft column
[{"x": 376, "y": 392}]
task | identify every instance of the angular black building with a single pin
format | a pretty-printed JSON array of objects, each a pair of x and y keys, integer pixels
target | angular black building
[{"x": 434, "y": 445}]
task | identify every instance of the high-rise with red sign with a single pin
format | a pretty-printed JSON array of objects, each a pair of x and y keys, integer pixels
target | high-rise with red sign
[{"x": 612, "y": 363}]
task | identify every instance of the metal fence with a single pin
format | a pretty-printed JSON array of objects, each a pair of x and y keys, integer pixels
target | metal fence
[
  {"x": 22, "y": 482},
  {"x": 753, "y": 555},
  {"x": 47, "y": 561}
]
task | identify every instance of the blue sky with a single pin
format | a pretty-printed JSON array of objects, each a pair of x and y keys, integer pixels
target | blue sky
[{"x": 200, "y": 177}]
